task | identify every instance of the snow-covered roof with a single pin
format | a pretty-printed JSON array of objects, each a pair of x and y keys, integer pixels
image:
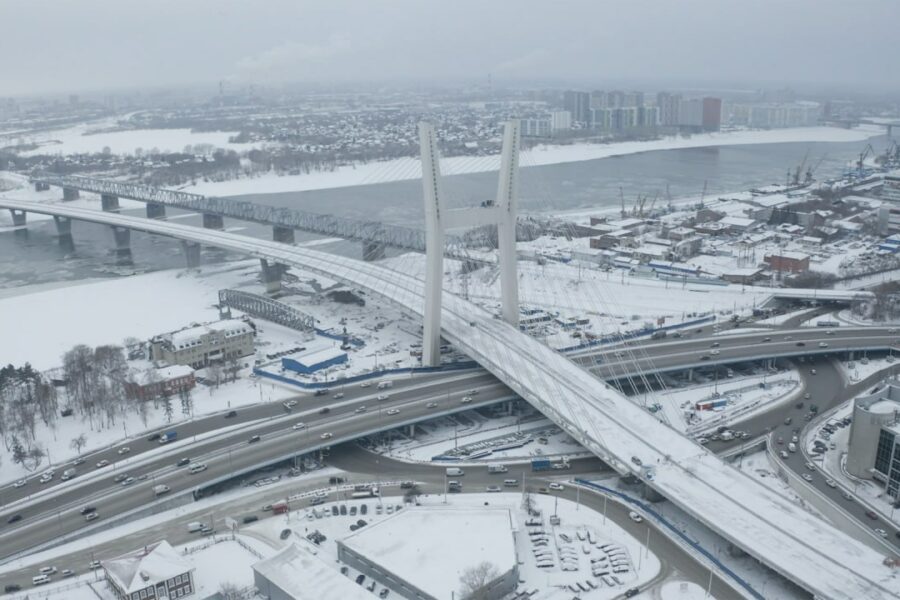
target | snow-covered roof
[
  {"x": 407, "y": 543},
  {"x": 298, "y": 571},
  {"x": 791, "y": 254},
  {"x": 164, "y": 374},
  {"x": 192, "y": 335},
  {"x": 146, "y": 566},
  {"x": 315, "y": 357}
]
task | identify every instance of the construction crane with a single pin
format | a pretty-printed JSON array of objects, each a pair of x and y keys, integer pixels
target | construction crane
[
  {"x": 622, "y": 196},
  {"x": 812, "y": 170},
  {"x": 652, "y": 204},
  {"x": 862, "y": 157},
  {"x": 796, "y": 177}
]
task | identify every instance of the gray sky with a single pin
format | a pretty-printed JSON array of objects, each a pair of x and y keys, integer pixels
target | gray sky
[{"x": 71, "y": 45}]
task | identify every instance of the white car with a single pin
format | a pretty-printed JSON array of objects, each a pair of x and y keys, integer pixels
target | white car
[
  {"x": 881, "y": 532},
  {"x": 365, "y": 384},
  {"x": 382, "y": 397},
  {"x": 123, "y": 450},
  {"x": 46, "y": 478},
  {"x": 19, "y": 483},
  {"x": 635, "y": 517},
  {"x": 556, "y": 486},
  {"x": 810, "y": 466},
  {"x": 472, "y": 392},
  {"x": 493, "y": 488},
  {"x": 297, "y": 426},
  {"x": 289, "y": 404},
  {"x": 466, "y": 399},
  {"x": 431, "y": 405},
  {"x": 338, "y": 396},
  {"x": 361, "y": 409},
  {"x": 128, "y": 481},
  {"x": 714, "y": 352},
  {"x": 394, "y": 411},
  {"x": 807, "y": 477},
  {"x": 326, "y": 436},
  {"x": 823, "y": 344},
  {"x": 830, "y": 483}
]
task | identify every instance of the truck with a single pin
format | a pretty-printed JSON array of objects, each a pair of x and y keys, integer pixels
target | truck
[
  {"x": 169, "y": 436},
  {"x": 194, "y": 526},
  {"x": 69, "y": 474},
  {"x": 161, "y": 489},
  {"x": 541, "y": 464},
  {"x": 279, "y": 508},
  {"x": 455, "y": 472},
  {"x": 384, "y": 385},
  {"x": 497, "y": 469},
  {"x": 658, "y": 335}
]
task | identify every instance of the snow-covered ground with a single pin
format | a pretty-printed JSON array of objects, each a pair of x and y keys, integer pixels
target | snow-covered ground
[
  {"x": 860, "y": 368},
  {"x": 409, "y": 168},
  {"x": 83, "y": 139}
]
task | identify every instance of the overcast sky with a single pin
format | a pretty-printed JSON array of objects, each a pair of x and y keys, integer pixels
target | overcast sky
[{"x": 73, "y": 45}]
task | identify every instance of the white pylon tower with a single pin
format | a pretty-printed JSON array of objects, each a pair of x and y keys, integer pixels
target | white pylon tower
[{"x": 438, "y": 218}]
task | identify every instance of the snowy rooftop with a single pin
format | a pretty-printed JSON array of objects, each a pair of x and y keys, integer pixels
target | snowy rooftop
[
  {"x": 145, "y": 567},
  {"x": 317, "y": 356},
  {"x": 298, "y": 571},
  {"x": 884, "y": 407},
  {"x": 164, "y": 374},
  {"x": 408, "y": 542},
  {"x": 188, "y": 336}
]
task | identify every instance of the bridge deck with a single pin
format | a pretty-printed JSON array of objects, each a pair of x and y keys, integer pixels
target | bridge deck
[{"x": 764, "y": 523}]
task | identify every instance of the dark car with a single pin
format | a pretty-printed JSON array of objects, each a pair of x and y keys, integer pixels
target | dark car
[
  {"x": 250, "y": 519},
  {"x": 231, "y": 414},
  {"x": 364, "y": 509},
  {"x": 334, "y": 510},
  {"x": 871, "y": 514},
  {"x": 12, "y": 587},
  {"x": 14, "y": 519},
  {"x": 343, "y": 509},
  {"x": 360, "y": 579},
  {"x": 183, "y": 462},
  {"x": 154, "y": 438},
  {"x": 801, "y": 343},
  {"x": 335, "y": 480},
  {"x": 253, "y": 439},
  {"x": 324, "y": 410},
  {"x": 632, "y": 592},
  {"x": 87, "y": 510},
  {"x": 285, "y": 534}
]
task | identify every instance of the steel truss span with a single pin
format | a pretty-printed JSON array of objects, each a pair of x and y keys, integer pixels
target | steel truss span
[
  {"x": 395, "y": 236},
  {"x": 755, "y": 518},
  {"x": 267, "y": 309}
]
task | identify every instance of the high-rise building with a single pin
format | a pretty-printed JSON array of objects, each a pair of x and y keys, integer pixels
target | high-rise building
[
  {"x": 598, "y": 99},
  {"x": 712, "y": 114},
  {"x": 690, "y": 113},
  {"x": 648, "y": 116},
  {"x": 615, "y": 99},
  {"x": 890, "y": 192},
  {"x": 633, "y": 99},
  {"x": 561, "y": 120},
  {"x": 601, "y": 119},
  {"x": 536, "y": 128},
  {"x": 579, "y": 104},
  {"x": 668, "y": 108}
]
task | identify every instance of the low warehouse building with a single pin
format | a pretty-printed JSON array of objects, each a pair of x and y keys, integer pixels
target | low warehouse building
[
  {"x": 314, "y": 360},
  {"x": 297, "y": 573}
]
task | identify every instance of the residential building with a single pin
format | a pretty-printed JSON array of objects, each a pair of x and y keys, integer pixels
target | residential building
[
  {"x": 167, "y": 381},
  {"x": 793, "y": 262},
  {"x": 536, "y": 127},
  {"x": 890, "y": 192},
  {"x": 712, "y": 114},
  {"x": 578, "y": 104},
  {"x": 154, "y": 572},
  {"x": 560, "y": 120},
  {"x": 668, "y": 104},
  {"x": 202, "y": 345},
  {"x": 298, "y": 572}
]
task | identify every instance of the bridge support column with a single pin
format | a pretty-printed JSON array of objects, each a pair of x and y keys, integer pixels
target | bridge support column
[
  {"x": 19, "y": 217},
  {"x": 155, "y": 210},
  {"x": 651, "y": 495},
  {"x": 411, "y": 430},
  {"x": 70, "y": 194},
  {"x": 123, "y": 244},
  {"x": 372, "y": 251},
  {"x": 191, "y": 253},
  {"x": 284, "y": 235},
  {"x": 63, "y": 226},
  {"x": 690, "y": 374},
  {"x": 109, "y": 202},
  {"x": 271, "y": 275},
  {"x": 211, "y": 221},
  {"x": 41, "y": 186}
]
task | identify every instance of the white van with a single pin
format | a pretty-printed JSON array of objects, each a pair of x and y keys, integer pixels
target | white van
[
  {"x": 194, "y": 526},
  {"x": 40, "y": 580},
  {"x": 792, "y": 447},
  {"x": 197, "y": 467},
  {"x": 383, "y": 385},
  {"x": 511, "y": 482},
  {"x": 454, "y": 472}
]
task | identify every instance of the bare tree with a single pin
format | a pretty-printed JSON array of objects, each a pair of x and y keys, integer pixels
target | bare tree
[
  {"x": 476, "y": 580},
  {"x": 78, "y": 443},
  {"x": 412, "y": 494},
  {"x": 229, "y": 591}
]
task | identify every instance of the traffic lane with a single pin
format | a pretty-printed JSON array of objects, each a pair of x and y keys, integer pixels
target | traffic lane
[
  {"x": 438, "y": 392},
  {"x": 56, "y": 522},
  {"x": 244, "y": 415}
]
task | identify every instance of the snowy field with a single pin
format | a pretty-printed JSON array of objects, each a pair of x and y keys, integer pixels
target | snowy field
[
  {"x": 82, "y": 139},
  {"x": 409, "y": 168},
  {"x": 859, "y": 369}
]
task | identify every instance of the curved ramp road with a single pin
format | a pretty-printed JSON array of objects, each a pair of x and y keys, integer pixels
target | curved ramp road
[{"x": 801, "y": 547}]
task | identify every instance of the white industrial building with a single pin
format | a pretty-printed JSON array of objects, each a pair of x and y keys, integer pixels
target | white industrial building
[{"x": 200, "y": 345}]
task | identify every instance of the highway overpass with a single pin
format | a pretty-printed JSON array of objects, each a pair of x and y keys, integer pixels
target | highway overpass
[{"x": 753, "y": 517}]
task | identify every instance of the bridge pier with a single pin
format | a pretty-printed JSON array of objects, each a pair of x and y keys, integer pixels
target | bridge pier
[
  {"x": 19, "y": 217},
  {"x": 70, "y": 194},
  {"x": 41, "y": 186},
  {"x": 271, "y": 275},
  {"x": 123, "y": 244},
  {"x": 109, "y": 202},
  {"x": 191, "y": 253},
  {"x": 63, "y": 226},
  {"x": 211, "y": 221},
  {"x": 155, "y": 210},
  {"x": 283, "y": 234},
  {"x": 372, "y": 251}
]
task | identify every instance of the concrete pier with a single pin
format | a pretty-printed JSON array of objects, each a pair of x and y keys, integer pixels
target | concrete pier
[
  {"x": 109, "y": 202},
  {"x": 283, "y": 234}
]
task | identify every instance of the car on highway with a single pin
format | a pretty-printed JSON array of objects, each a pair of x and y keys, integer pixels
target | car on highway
[
  {"x": 431, "y": 405},
  {"x": 466, "y": 399},
  {"x": 253, "y": 439},
  {"x": 78, "y": 461},
  {"x": 87, "y": 509},
  {"x": 394, "y": 411},
  {"x": 783, "y": 455},
  {"x": 14, "y": 519},
  {"x": 768, "y": 339},
  {"x": 94, "y": 565},
  {"x": 183, "y": 462},
  {"x": 123, "y": 450},
  {"x": 714, "y": 352},
  {"x": 197, "y": 468},
  {"x": 289, "y": 404},
  {"x": 320, "y": 392},
  {"x": 881, "y": 532},
  {"x": 829, "y": 332},
  {"x": 810, "y": 466},
  {"x": 788, "y": 421},
  {"x": 383, "y": 397},
  {"x": 365, "y": 384},
  {"x": 12, "y": 587},
  {"x": 338, "y": 396},
  {"x": 128, "y": 481},
  {"x": 250, "y": 519},
  {"x": 46, "y": 478},
  {"x": 324, "y": 410},
  {"x": 297, "y": 426},
  {"x": 231, "y": 414},
  {"x": 831, "y": 483},
  {"x": 154, "y": 437},
  {"x": 360, "y": 409},
  {"x": 19, "y": 483},
  {"x": 493, "y": 488},
  {"x": 556, "y": 486},
  {"x": 120, "y": 477},
  {"x": 807, "y": 477},
  {"x": 91, "y": 516},
  {"x": 102, "y": 463},
  {"x": 704, "y": 357},
  {"x": 847, "y": 495},
  {"x": 871, "y": 514},
  {"x": 715, "y": 345},
  {"x": 326, "y": 436},
  {"x": 635, "y": 517},
  {"x": 800, "y": 344},
  {"x": 823, "y": 344},
  {"x": 47, "y": 570}
]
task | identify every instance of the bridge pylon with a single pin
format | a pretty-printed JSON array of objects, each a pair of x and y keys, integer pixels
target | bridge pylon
[{"x": 500, "y": 212}]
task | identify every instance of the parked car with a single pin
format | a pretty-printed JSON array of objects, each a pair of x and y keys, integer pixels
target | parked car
[{"x": 635, "y": 517}]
